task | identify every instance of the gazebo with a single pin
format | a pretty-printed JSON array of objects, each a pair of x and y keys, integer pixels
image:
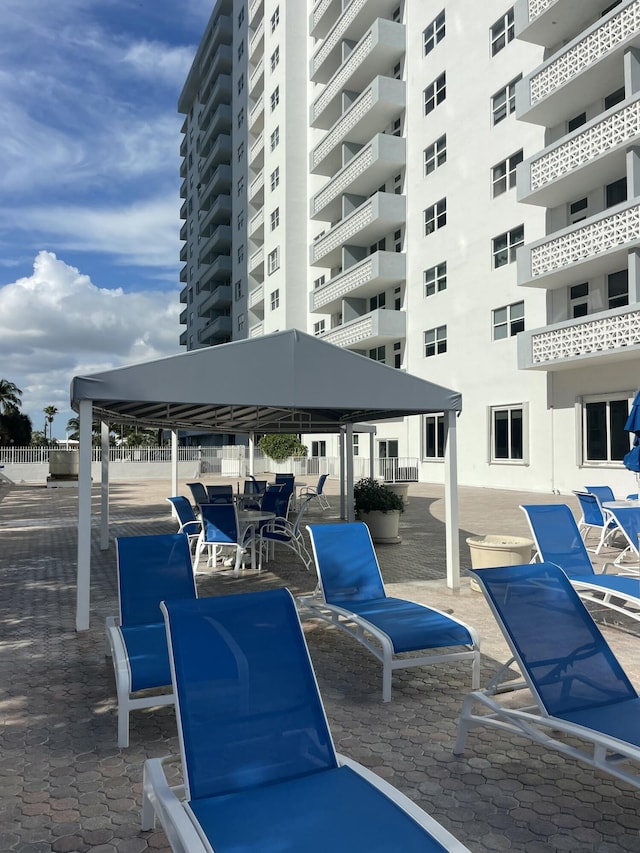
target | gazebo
[{"x": 287, "y": 382}]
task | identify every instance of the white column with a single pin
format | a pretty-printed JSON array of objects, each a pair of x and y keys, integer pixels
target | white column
[
  {"x": 174, "y": 462},
  {"x": 83, "y": 577},
  {"x": 252, "y": 446},
  {"x": 351, "y": 513},
  {"x": 451, "y": 503},
  {"x": 104, "y": 486}
]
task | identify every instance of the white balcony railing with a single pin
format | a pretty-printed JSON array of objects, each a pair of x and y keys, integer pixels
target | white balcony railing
[{"x": 334, "y": 38}]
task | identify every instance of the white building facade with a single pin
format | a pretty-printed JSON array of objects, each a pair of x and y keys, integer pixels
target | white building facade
[{"x": 447, "y": 187}]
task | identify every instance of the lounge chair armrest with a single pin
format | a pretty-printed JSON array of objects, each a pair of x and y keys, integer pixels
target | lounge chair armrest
[
  {"x": 607, "y": 566},
  {"x": 160, "y": 799}
]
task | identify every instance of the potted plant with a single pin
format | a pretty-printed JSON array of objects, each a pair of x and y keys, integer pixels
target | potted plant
[{"x": 379, "y": 508}]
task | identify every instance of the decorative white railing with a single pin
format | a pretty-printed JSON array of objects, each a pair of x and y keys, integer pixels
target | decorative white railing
[
  {"x": 256, "y": 148},
  {"x": 613, "y": 131},
  {"x": 586, "y": 52},
  {"x": 354, "y": 114},
  {"x": 256, "y": 297},
  {"x": 537, "y": 7},
  {"x": 256, "y": 185},
  {"x": 343, "y": 284},
  {"x": 608, "y": 233},
  {"x": 340, "y": 78},
  {"x": 583, "y": 339},
  {"x": 256, "y": 74},
  {"x": 256, "y": 221},
  {"x": 335, "y": 36},
  {"x": 255, "y": 38},
  {"x": 351, "y": 334},
  {"x": 256, "y": 259},
  {"x": 256, "y": 109},
  {"x": 341, "y": 234},
  {"x": 319, "y": 11},
  {"x": 340, "y": 184}
]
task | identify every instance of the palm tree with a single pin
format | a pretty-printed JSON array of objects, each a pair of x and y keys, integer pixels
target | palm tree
[
  {"x": 50, "y": 412},
  {"x": 9, "y": 396}
]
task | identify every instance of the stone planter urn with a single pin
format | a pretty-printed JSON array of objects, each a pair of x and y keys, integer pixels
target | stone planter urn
[
  {"x": 493, "y": 551},
  {"x": 379, "y": 507},
  {"x": 383, "y": 526}
]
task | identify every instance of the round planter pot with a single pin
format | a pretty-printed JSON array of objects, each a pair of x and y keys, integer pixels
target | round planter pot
[
  {"x": 493, "y": 551},
  {"x": 400, "y": 489},
  {"x": 383, "y": 526}
]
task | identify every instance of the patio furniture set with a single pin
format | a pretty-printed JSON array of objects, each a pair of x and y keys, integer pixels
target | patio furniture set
[{"x": 254, "y": 738}]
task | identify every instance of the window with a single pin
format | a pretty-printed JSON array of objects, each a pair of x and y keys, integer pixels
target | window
[
  {"x": 435, "y": 93},
  {"x": 434, "y": 33},
  {"x": 503, "y": 103},
  {"x": 576, "y": 122},
  {"x": 240, "y": 322},
  {"x": 375, "y": 247},
  {"x": 434, "y": 436},
  {"x": 614, "y": 98},
  {"x": 273, "y": 261},
  {"x": 507, "y": 434},
  {"x": 241, "y": 220},
  {"x": 318, "y": 282},
  {"x": 616, "y": 192},
  {"x": 240, "y": 83},
  {"x": 319, "y": 327},
  {"x": 275, "y": 98},
  {"x": 274, "y": 218},
  {"x": 240, "y": 253},
  {"x": 240, "y": 50},
  {"x": 435, "y": 217},
  {"x": 275, "y": 138},
  {"x": 356, "y": 444},
  {"x": 505, "y": 246},
  {"x": 238, "y": 289},
  {"x": 435, "y": 279},
  {"x": 579, "y": 300},
  {"x": 397, "y": 354},
  {"x": 603, "y": 434},
  {"x": 435, "y": 341},
  {"x": 240, "y": 185},
  {"x": 240, "y": 17},
  {"x": 318, "y": 448},
  {"x": 240, "y": 117},
  {"x": 502, "y": 32},
  {"x": 503, "y": 174},
  {"x": 378, "y": 354},
  {"x": 435, "y": 155},
  {"x": 378, "y": 301},
  {"x": 275, "y": 19},
  {"x": 618, "y": 289},
  {"x": 275, "y": 58},
  {"x": 578, "y": 210},
  {"x": 275, "y": 178},
  {"x": 508, "y": 321},
  {"x": 240, "y": 151},
  {"x": 275, "y": 299}
]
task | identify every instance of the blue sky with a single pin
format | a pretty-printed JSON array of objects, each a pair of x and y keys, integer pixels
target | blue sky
[{"x": 89, "y": 187}]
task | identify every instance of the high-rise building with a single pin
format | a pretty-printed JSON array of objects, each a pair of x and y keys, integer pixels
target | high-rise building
[{"x": 446, "y": 187}]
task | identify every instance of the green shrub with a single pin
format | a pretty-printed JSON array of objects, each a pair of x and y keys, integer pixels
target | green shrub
[
  {"x": 370, "y": 495},
  {"x": 280, "y": 447}
]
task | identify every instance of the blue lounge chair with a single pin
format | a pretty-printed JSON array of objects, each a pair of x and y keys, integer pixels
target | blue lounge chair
[
  {"x": 259, "y": 767},
  {"x": 150, "y": 569},
  {"x": 558, "y": 541},
  {"x": 351, "y": 596},
  {"x": 578, "y": 687}
]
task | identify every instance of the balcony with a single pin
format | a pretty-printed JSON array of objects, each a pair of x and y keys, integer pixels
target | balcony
[
  {"x": 322, "y": 17},
  {"x": 256, "y": 227},
  {"x": 216, "y": 331},
  {"x": 255, "y": 7},
  {"x": 183, "y": 317},
  {"x": 219, "y": 154},
  {"x": 221, "y": 93},
  {"x": 581, "y": 251},
  {"x": 183, "y": 339},
  {"x": 256, "y": 80},
  {"x": 256, "y": 190},
  {"x": 256, "y": 264},
  {"x": 222, "y": 63},
  {"x": 256, "y": 42},
  {"x": 590, "y": 157},
  {"x": 374, "y": 164},
  {"x": 606, "y": 337},
  {"x": 183, "y": 273},
  {"x": 256, "y": 117},
  {"x": 183, "y": 231},
  {"x": 375, "y": 329},
  {"x": 219, "y": 270},
  {"x": 183, "y": 210},
  {"x": 551, "y": 22},
  {"x": 256, "y": 153},
  {"x": 363, "y": 280},
  {"x": 184, "y": 295},
  {"x": 380, "y": 48},
  {"x": 219, "y": 242},
  {"x": 581, "y": 72},
  {"x": 221, "y": 34},
  {"x": 256, "y": 300},
  {"x": 357, "y": 18},
  {"x": 183, "y": 253},
  {"x": 380, "y": 214},
  {"x": 183, "y": 147},
  {"x": 218, "y": 184},
  {"x": 219, "y": 213},
  {"x": 380, "y": 104},
  {"x": 257, "y": 330},
  {"x": 218, "y": 299},
  {"x": 220, "y": 122}
]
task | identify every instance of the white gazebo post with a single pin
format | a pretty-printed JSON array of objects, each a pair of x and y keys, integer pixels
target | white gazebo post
[
  {"x": 174, "y": 461},
  {"x": 83, "y": 594},
  {"x": 104, "y": 486},
  {"x": 351, "y": 512},
  {"x": 451, "y": 503},
  {"x": 252, "y": 447}
]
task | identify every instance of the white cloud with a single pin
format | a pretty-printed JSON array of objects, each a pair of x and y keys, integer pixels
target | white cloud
[
  {"x": 154, "y": 60},
  {"x": 56, "y": 324}
]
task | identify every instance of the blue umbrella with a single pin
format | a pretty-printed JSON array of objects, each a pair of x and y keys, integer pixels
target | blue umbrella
[{"x": 632, "y": 458}]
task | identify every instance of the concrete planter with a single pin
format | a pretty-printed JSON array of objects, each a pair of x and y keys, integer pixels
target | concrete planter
[
  {"x": 383, "y": 526},
  {"x": 493, "y": 551},
  {"x": 63, "y": 466},
  {"x": 400, "y": 489}
]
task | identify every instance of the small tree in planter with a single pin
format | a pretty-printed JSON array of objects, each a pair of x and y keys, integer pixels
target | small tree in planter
[{"x": 379, "y": 508}]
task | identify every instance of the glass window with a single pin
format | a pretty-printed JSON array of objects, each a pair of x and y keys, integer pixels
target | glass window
[
  {"x": 435, "y": 279},
  {"x": 435, "y": 155},
  {"x": 275, "y": 98},
  {"x": 503, "y": 174},
  {"x": 275, "y": 299},
  {"x": 319, "y": 327},
  {"x": 275, "y": 58},
  {"x": 435, "y": 341},
  {"x": 502, "y": 32},
  {"x": 434, "y": 436},
  {"x": 618, "y": 289},
  {"x": 503, "y": 103},
  {"x": 435, "y": 93},
  {"x": 505, "y": 245},
  {"x": 275, "y": 178},
  {"x": 507, "y": 440},
  {"x": 275, "y": 19},
  {"x": 275, "y": 138},
  {"x": 576, "y": 122},
  {"x": 273, "y": 261},
  {"x": 604, "y": 438},
  {"x": 614, "y": 98},
  {"x": 435, "y": 216},
  {"x": 616, "y": 192},
  {"x": 274, "y": 218},
  {"x": 433, "y": 33},
  {"x": 508, "y": 321}
]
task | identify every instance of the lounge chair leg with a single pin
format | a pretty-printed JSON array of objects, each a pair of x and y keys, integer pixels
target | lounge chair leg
[
  {"x": 386, "y": 682},
  {"x": 123, "y": 725}
]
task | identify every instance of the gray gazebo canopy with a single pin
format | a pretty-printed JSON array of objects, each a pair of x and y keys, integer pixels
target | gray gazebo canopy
[{"x": 286, "y": 382}]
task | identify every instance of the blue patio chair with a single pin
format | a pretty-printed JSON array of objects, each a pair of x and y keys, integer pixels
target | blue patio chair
[
  {"x": 316, "y": 492},
  {"x": 199, "y": 493},
  {"x": 603, "y": 493},
  {"x": 150, "y": 569},
  {"x": 584, "y": 705},
  {"x": 280, "y": 531},
  {"x": 594, "y": 516},
  {"x": 252, "y": 493},
  {"x": 558, "y": 541},
  {"x": 259, "y": 768},
  {"x": 220, "y": 494},
  {"x": 221, "y": 530},
  {"x": 189, "y": 523},
  {"x": 351, "y": 596}
]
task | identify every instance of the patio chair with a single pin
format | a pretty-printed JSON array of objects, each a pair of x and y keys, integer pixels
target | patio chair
[
  {"x": 199, "y": 493},
  {"x": 558, "y": 541},
  {"x": 220, "y": 494},
  {"x": 150, "y": 569},
  {"x": 603, "y": 493},
  {"x": 221, "y": 529},
  {"x": 317, "y": 493},
  {"x": 594, "y": 516},
  {"x": 259, "y": 768},
  {"x": 351, "y": 596},
  {"x": 189, "y": 523},
  {"x": 584, "y": 706},
  {"x": 281, "y": 531},
  {"x": 252, "y": 493}
]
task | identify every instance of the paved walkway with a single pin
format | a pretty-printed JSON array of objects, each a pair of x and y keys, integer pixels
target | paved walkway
[{"x": 66, "y": 787}]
